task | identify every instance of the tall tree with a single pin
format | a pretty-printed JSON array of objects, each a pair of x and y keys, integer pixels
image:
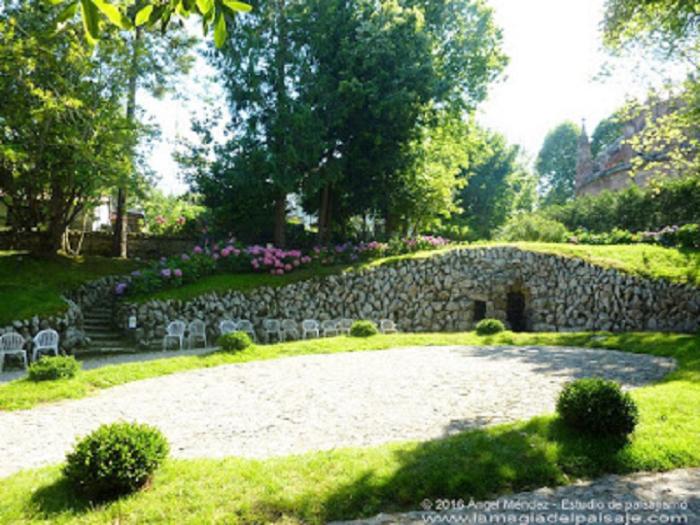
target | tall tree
[
  {"x": 497, "y": 183},
  {"x": 556, "y": 163},
  {"x": 63, "y": 135}
]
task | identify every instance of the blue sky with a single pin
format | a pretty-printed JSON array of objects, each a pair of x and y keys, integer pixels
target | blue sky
[{"x": 556, "y": 57}]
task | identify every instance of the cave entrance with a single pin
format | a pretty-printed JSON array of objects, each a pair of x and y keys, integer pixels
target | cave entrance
[
  {"x": 515, "y": 311},
  {"x": 479, "y": 311}
]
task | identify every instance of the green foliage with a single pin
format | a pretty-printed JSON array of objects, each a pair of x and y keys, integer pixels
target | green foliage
[
  {"x": 497, "y": 184},
  {"x": 360, "y": 113},
  {"x": 64, "y": 134},
  {"x": 669, "y": 26},
  {"x": 115, "y": 460},
  {"x": 556, "y": 163},
  {"x": 234, "y": 341},
  {"x": 49, "y": 368},
  {"x": 489, "y": 327},
  {"x": 664, "y": 203},
  {"x": 127, "y": 15},
  {"x": 363, "y": 329},
  {"x": 171, "y": 215},
  {"x": 606, "y": 133},
  {"x": 688, "y": 236},
  {"x": 597, "y": 407},
  {"x": 533, "y": 228}
]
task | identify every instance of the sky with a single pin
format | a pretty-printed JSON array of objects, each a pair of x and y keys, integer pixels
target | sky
[{"x": 556, "y": 57}]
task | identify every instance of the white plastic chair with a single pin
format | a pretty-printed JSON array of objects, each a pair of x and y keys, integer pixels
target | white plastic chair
[
  {"x": 387, "y": 326},
  {"x": 197, "y": 330},
  {"x": 227, "y": 326},
  {"x": 272, "y": 328},
  {"x": 246, "y": 327},
  {"x": 45, "y": 341},
  {"x": 310, "y": 327},
  {"x": 12, "y": 344},
  {"x": 290, "y": 330},
  {"x": 175, "y": 330},
  {"x": 344, "y": 326},
  {"x": 329, "y": 328}
]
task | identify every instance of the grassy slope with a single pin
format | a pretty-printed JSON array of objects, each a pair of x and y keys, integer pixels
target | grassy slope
[
  {"x": 30, "y": 286},
  {"x": 643, "y": 260},
  {"x": 348, "y": 483}
]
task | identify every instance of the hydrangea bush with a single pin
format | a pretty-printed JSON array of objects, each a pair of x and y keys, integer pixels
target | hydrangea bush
[{"x": 233, "y": 257}]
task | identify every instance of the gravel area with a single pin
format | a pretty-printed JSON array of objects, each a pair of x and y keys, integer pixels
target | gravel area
[
  {"x": 312, "y": 402},
  {"x": 668, "y": 497}
]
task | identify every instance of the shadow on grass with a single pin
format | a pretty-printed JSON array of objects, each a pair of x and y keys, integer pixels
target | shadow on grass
[
  {"x": 59, "y": 498},
  {"x": 479, "y": 464}
]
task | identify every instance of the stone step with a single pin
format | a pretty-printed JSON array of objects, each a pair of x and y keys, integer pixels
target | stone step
[
  {"x": 97, "y": 317},
  {"x": 97, "y": 322},
  {"x": 107, "y": 343},
  {"x": 97, "y": 351},
  {"x": 103, "y": 335}
]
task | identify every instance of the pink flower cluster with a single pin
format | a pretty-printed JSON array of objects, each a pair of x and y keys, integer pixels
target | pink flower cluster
[{"x": 276, "y": 260}]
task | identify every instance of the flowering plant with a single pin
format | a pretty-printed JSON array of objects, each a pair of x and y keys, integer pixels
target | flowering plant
[{"x": 232, "y": 257}]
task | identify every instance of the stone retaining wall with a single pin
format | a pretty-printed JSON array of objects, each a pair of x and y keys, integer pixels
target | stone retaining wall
[
  {"x": 450, "y": 292},
  {"x": 68, "y": 324}
]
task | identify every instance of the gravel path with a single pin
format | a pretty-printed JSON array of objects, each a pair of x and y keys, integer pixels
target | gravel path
[
  {"x": 313, "y": 402},
  {"x": 669, "y": 497}
]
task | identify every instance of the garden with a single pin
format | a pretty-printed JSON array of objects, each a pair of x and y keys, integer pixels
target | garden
[{"x": 319, "y": 261}]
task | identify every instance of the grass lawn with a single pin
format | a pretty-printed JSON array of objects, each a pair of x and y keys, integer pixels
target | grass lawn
[
  {"x": 33, "y": 286},
  {"x": 352, "y": 483},
  {"x": 643, "y": 260}
]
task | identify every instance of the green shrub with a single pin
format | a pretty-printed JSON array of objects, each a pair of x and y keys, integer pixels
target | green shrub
[
  {"x": 489, "y": 327},
  {"x": 533, "y": 228},
  {"x": 54, "y": 367},
  {"x": 363, "y": 329},
  {"x": 688, "y": 236},
  {"x": 665, "y": 203},
  {"x": 234, "y": 341},
  {"x": 597, "y": 407},
  {"x": 114, "y": 460}
]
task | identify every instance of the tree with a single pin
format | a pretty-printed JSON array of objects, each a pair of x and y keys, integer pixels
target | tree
[
  {"x": 147, "y": 68},
  {"x": 386, "y": 75},
  {"x": 369, "y": 90},
  {"x": 606, "y": 133},
  {"x": 669, "y": 29},
  {"x": 64, "y": 138},
  {"x": 497, "y": 184},
  {"x": 556, "y": 163}
]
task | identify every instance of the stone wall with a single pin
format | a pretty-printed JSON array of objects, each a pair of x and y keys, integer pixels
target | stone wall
[
  {"x": 68, "y": 324},
  {"x": 445, "y": 292},
  {"x": 100, "y": 243}
]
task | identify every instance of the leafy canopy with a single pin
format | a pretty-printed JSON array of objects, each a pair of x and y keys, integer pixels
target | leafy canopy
[{"x": 129, "y": 14}]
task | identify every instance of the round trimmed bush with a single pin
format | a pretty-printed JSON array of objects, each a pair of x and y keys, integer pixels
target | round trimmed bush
[
  {"x": 489, "y": 327},
  {"x": 234, "y": 341},
  {"x": 54, "y": 367},
  {"x": 115, "y": 460},
  {"x": 363, "y": 329},
  {"x": 597, "y": 407}
]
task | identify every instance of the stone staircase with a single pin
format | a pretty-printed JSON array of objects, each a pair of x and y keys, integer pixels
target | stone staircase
[{"x": 104, "y": 339}]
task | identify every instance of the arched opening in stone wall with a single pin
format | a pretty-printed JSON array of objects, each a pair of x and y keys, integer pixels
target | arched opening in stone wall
[
  {"x": 479, "y": 311},
  {"x": 515, "y": 311}
]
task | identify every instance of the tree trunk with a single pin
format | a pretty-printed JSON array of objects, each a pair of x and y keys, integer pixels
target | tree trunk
[
  {"x": 324, "y": 216},
  {"x": 121, "y": 226},
  {"x": 278, "y": 237}
]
